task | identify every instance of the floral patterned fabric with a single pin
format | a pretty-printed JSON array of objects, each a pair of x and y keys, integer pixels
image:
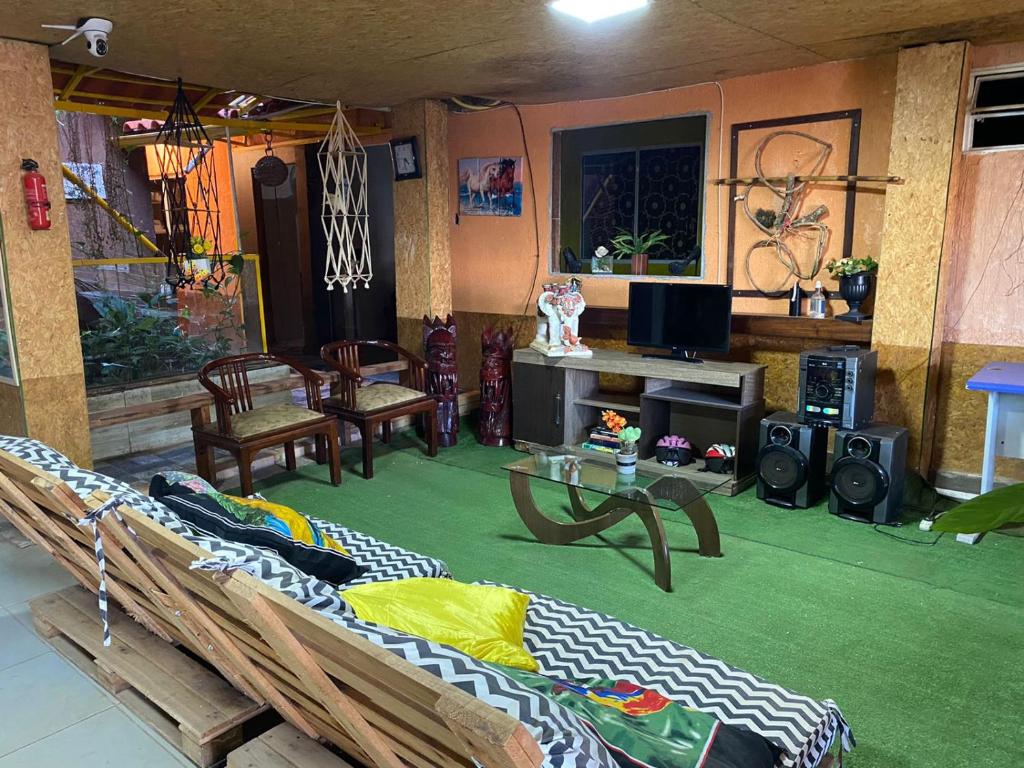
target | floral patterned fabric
[
  {"x": 378, "y": 396},
  {"x": 269, "y": 418}
]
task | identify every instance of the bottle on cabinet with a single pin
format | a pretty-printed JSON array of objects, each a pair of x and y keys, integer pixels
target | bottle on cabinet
[{"x": 818, "y": 304}]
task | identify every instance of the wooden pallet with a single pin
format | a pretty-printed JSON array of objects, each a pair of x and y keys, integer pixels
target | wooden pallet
[
  {"x": 195, "y": 709},
  {"x": 284, "y": 747}
]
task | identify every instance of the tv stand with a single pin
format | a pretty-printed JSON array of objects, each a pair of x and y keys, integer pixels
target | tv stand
[
  {"x": 556, "y": 400},
  {"x": 677, "y": 355}
]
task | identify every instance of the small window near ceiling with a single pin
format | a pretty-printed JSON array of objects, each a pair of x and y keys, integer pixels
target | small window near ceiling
[
  {"x": 995, "y": 118},
  {"x": 634, "y": 179}
]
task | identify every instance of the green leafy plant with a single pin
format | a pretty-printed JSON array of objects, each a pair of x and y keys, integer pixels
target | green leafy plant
[
  {"x": 629, "y": 437},
  {"x": 626, "y": 244},
  {"x": 847, "y": 267},
  {"x": 143, "y": 338}
]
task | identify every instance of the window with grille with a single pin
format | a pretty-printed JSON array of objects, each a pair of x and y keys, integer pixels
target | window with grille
[
  {"x": 995, "y": 117},
  {"x": 634, "y": 178}
]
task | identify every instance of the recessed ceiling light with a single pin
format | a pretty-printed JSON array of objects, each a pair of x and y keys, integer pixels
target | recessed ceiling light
[{"x": 595, "y": 10}]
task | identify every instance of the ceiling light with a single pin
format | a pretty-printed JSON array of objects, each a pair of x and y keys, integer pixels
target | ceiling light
[{"x": 595, "y": 10}]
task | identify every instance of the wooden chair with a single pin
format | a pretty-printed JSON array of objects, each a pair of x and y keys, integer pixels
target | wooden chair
[
  {"x": 378, "y": 402},
  {"x": 244, "y": 429}
]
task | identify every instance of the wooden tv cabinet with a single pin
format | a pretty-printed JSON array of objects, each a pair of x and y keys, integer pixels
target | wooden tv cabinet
[{"x": 557, "y": 399}]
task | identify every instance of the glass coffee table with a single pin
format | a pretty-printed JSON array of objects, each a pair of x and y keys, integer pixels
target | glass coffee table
[{"x": 644, "y": 494}]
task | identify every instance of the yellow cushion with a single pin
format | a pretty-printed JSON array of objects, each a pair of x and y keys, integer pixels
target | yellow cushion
[
  {"x": 270, "y": 418},
  {"x": 481, "y": 621},
  {"x": 284, "y": 520},
  {"x": 382, "y": 395}
]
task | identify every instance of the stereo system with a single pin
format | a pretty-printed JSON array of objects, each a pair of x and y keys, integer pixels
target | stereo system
[
  {"x": 868, "y": 473},
  {"x": 791, "y": 462},
  {"x": 837, "y": 389},
  {"x": 837, "y": 386}
]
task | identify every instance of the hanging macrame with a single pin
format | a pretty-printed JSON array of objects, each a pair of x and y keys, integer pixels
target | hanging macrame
[
  {"x": 344, "y": 212},
  {"x": 188, "y": 180}
]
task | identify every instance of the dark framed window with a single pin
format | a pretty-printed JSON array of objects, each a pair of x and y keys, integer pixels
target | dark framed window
[
  {"x": 995, "y": 116},
  {"x": 636, "y": 178}
]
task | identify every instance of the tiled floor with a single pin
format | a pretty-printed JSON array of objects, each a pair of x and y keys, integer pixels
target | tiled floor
[{"x": 52, "y": 715}]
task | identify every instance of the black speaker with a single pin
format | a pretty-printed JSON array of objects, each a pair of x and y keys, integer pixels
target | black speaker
[
  {"x": 868, "y": 473},
  {"x": 791, "y": 462}
]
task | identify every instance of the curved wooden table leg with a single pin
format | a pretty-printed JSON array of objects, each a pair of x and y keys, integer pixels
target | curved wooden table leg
[
  {"x": 608, "y": 513},
  {"x": 659, "y": 545},
  {"x": 682, "y": 492},
  {"x": 550, "y": 531}
]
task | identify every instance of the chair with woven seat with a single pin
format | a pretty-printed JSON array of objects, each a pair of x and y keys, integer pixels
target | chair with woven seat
[
  {"x": 243, "y": 429},
  {"x": 367, "y": 403}
]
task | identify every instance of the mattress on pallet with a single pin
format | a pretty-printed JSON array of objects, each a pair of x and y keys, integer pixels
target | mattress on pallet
[{"x": 568, "y": 641}]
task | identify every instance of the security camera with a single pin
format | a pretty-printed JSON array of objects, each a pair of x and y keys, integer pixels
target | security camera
[{"x": 95, "y": 32}]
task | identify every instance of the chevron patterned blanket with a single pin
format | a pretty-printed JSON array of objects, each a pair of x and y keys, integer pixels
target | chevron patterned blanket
[{"x": 568, "y": 641}]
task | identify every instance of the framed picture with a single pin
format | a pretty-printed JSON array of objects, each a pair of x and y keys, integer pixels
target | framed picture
[
  {"x": 8, "y": 364},
  {"x": 491, "y": 186},
  {"x": 406, "y": 159}
]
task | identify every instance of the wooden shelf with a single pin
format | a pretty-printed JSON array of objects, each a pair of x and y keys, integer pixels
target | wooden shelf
[
  {"x": 626, "y": 403},
  {"x": 693, "y": 397},
  {"x": 610, "y": 323}
]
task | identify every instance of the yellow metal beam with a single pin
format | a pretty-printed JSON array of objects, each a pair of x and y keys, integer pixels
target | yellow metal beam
[
  {"x": 116, "y": 215},
  {"x": 206, "y": 98},
  {"x": 81, "y": 71},
  {"x": 233, "y": 124}
]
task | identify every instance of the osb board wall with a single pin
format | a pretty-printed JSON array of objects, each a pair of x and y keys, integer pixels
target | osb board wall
[
  {"x": 494, "y": 258},
  {"x": 44, "y": 313},
  {"x": 12, "y": 411},
  {"x": 928, "y": 86},
  {"x": 422, "y": 255},
  {"x": 961, "y": 414}
]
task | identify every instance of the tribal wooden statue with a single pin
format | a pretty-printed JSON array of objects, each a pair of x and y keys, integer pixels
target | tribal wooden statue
[
  {"x": 495, "y": 427},
  {"x": 443, "y": 375}
]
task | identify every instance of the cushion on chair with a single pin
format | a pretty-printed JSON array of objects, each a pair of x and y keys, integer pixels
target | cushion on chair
[
  {"x": 377, "y": 396},
  {"x": 270, "y": 418}
]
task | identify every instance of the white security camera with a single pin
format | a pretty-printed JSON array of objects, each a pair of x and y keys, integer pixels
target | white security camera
[{"x": 94, "y": 30}]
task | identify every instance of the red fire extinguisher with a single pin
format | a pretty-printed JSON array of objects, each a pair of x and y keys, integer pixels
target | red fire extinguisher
[{"x": 35, "y": 195}]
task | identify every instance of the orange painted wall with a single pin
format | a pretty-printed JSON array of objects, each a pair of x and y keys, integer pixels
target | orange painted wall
[
  {"x": 494, "y": 259},
  {"x": 984, "y": 263}
]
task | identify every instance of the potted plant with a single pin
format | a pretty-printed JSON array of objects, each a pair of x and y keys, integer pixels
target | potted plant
[
  {"x": 626, "y": 454},
  {"x": 856, "y": 279},
  {"x": 673, "y": 451},
  {"x": 637, "y": 247}
]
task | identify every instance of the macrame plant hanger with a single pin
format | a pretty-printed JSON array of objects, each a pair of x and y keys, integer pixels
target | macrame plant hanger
[
  {"x": 188, "y": 178},
  {"x": 344, "y": 211}
]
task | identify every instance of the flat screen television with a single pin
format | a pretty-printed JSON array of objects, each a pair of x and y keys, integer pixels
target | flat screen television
[{"x": 684, "y": 318}]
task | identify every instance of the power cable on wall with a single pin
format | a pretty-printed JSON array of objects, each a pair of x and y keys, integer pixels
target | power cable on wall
[{"x": 536, "y": 218}]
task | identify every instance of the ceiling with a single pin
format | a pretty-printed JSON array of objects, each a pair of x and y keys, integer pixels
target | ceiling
[{"x": 373, "y": 53}]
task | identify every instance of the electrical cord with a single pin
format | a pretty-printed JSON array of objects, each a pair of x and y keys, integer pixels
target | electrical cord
[
  {"x": 906, "y": 540},
  {"x": 536, "y": 218}
]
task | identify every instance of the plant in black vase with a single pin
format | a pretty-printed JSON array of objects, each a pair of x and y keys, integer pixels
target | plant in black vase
[{"x": 856, "y": 280}]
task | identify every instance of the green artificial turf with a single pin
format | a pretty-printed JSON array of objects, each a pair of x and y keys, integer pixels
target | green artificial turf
[{"x": 920, "y": 644}]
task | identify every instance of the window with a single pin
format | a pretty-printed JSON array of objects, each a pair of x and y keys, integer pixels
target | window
[
  {"x": 635, "y": 178},
  {"x": 995, "y": 118}
]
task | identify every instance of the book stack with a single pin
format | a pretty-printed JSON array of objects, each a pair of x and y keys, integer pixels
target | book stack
[{"x": 602, "y": 439}]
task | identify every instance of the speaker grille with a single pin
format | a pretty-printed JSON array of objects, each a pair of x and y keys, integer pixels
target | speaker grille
[
  {"x": 858, "y": 482},
  {"x": 782, "y": 468}
]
